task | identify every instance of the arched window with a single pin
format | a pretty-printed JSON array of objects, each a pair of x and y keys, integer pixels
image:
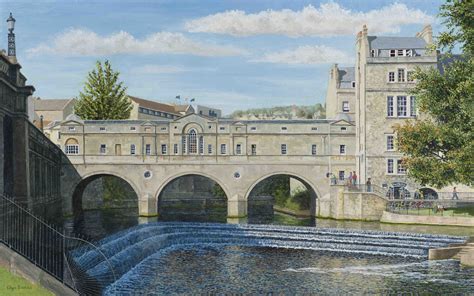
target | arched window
[
  {"x": 192, "y": 142},
  {"x": 72, "y": 146}
]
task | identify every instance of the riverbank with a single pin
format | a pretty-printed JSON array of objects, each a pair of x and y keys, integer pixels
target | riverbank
[
  {"x": 11, "y": 284},
  {"x": 388, "y": 217}
]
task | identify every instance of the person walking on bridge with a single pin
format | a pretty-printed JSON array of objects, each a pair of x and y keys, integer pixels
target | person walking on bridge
[
  {"x": 455, "y": 194},
  {"x": 354, "y": 178}
]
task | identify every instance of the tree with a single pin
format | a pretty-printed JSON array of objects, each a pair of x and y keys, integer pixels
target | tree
[
  {"x": 440, "y": 149},
  {"x": 103, "y": 97}
]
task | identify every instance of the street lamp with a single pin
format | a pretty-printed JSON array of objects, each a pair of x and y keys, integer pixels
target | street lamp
[
  {"x": 11, "y": 23},
  {"x": 11, "y": 36}
]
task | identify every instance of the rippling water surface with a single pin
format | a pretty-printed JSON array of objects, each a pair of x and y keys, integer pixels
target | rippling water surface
[{"x": 249, "y": 270}]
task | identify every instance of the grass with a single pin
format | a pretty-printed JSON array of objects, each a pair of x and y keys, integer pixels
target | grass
[
  {"x": 450, "y": 212},
  {"x": 14, "y": 285}
]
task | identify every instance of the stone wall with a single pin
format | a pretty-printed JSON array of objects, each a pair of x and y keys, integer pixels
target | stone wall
[
  {"x": 388, "y": 217},
  {"x": 343, "y": 205}
]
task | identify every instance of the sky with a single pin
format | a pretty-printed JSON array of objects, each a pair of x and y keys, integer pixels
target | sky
[{"x": 230, "y": 54}]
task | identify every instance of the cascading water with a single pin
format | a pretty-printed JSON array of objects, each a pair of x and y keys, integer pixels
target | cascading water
[{"x": 134, "y": 251}]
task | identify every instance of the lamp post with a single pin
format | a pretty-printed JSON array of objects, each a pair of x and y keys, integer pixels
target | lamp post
[{"x": 11, "y": 36}]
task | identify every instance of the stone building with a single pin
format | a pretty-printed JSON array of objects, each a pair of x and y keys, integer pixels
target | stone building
[
  {"x": 49, "y": 110},
  {"x": 341, "y": 93},
  {"x": 146, "y": 109}
]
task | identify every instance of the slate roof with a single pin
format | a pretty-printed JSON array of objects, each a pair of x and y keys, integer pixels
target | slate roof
[
  {"x": 154, "y": 105},
  {"x": 384, "y": 42},
  {"x": 51, "y": 105},
  {"x": 347, "y": 74}
]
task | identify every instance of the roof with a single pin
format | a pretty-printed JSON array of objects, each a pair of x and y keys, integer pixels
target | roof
[
  {"x": 51, "y": 105},
  {"x": 347, "y": 74},
  {"x": 181, "y": 108},
  {"x": 384, "y": 42},
  {"x": 154, "y": 105}
]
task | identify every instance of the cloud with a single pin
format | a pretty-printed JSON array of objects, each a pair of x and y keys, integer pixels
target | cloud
[
  {"x": 78, "y": 42},
  {"x": 306, "y": 55},
  {"x": 330, "y": 19},
  {"x": 168, "y": 69}
]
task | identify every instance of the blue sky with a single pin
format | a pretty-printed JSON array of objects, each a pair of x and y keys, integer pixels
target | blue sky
[{"x": 226, "y": 54}]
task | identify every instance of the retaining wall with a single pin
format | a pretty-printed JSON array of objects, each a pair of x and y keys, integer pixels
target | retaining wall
[
  {"x": 388, "y": 217},
  {"x": 19, "y": 265}
]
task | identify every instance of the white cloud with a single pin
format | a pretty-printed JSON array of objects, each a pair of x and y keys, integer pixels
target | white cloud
[
  {"x": 330, "y": 19},
  {"x": 306, "y": 55},
  {"x": 80, "y": 42}
]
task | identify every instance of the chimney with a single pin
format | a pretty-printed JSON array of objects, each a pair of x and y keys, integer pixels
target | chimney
[
  {"x": 364, "y": 30},
  {"x": 426, "y": 34}
]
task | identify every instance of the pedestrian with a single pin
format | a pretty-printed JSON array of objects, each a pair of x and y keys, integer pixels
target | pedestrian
[
  {"x": 349, "y": 180},
  {"x": 354, "y": 178},
  {"x": 455, "y": 194},
  {"x": 368, "y": 184}
]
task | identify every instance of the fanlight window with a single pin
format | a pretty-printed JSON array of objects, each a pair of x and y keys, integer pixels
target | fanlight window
[{"x": 72, "y": 146}]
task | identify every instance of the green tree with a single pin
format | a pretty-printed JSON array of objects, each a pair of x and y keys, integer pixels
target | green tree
[
  {"x": 103, "y": 97},
  {"x": 440, "y": 149}
]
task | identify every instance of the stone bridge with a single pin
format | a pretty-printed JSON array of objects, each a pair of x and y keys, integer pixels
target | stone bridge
[{"x": 236, "y": 177}]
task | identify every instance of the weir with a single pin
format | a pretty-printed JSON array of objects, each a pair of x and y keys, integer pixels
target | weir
[{"x": 133, "y": 251}]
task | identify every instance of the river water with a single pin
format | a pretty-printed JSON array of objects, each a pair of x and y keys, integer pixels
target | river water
[{"x": 228, "y": 269}]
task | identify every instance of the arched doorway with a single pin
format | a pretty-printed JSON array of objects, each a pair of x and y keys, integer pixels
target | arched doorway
[
  {"x": 281, "y": 199},
  {"x": 192, "y": 198},
  {"x": 428, "y": 193},
  {"x": 103, "y": 204}
]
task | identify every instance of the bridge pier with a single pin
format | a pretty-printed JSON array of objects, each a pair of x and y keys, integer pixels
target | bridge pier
[
  {"x": 147, "y": 205},
  {"x": 236, "y": 206}
]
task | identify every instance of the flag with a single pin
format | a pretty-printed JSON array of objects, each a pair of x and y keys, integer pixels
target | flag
[
  {"x": 178, "y": 97},
  {"x": 193, "y": 99}
]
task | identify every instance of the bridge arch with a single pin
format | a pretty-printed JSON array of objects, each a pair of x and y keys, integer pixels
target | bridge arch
[
  {"x": 263, "y": 205},
  {"x": 192, "y": 196},
  {"x": 80, "y": 186}
]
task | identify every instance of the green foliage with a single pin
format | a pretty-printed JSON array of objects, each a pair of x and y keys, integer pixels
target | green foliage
[
  {"x": 302, "y": 199},
  {"x": 440, "y": 148},
  {"x": 14, "y": 285},
  {"x": 306, "y": 112},
  {"x": 117, "y": 192},
  {"x": 103, "y": 97},
  {"x": 217, "y": 191}
]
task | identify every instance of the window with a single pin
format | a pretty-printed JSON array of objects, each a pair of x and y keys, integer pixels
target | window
[
  {"x": 353, "y": 84},
  {"x": 391, "y": 76},
  {"x": 401, "y": 106},
  {"x": 175, "y": 148},
  {"x": 410, "y": 76},
  {"x": 413, "y": 106},
  {"x": 192, "y": 141},
  {"x": 372, "y": 53},
  {"x": 103, "y": 149},
  {"x": 102, "y": 129},
  {"x": 72, "y": 128},
  {"x": 283, "y": 149},
  {"x": 209, "y": 149},
  {"x": 223, "y": 149},
  {"x": 409, "y": 52},
  {"x": 201, "y": 145},
  {"x": 253, "y": 128},
  {"x": 72, "y": 149},
  {"x": 343, "y": 128},
  {"x": 254, "y": 149},
  {"x": 147, "y": 129},
  {"x": 313, "y": 149},
  {"x": 132, "y": 128},
  {"x": 401, "y": 75},
  {"x": 390, "y": 106},
  {"x": 401, "y": 170},
  {"x": 389, "y": 166},
  {"x": 238, "y": 149},
  {"x": 400, "y": 52},
  {"x": 342, "y": 149},
  {"x": 390, "y": 143},
  {"x": 141, "y": 110},
  {"x": 183, "y": 144},
  {"x": 133, "y": 149},
  {"x": 148, "y": 149},
  {"x": 163, "y": 128},
  {"x": 341, "y": 175},
  {"x": 284, "y": 128},
  {"x": 164, "y": 149},
  {"x": 314, "y": 128},
  {"x": 221, "y": 128},
  {"x": 345, "y": 106},
  {"x": 392, "y": 52}
]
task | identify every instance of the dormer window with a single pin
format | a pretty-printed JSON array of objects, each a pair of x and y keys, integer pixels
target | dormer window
[
  {"x": 409, "y": 53},
  {"x": 400, "y": 52},
  {"x": 392, "y": 52}
]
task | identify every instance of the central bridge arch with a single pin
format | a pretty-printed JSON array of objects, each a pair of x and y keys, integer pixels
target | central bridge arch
[{"x": 192, "y": 197}]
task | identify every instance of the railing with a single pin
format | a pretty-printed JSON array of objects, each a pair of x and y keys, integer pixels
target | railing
[
  {"x": 49, "y": 249},
  {"x": 431, "y": 207}
]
